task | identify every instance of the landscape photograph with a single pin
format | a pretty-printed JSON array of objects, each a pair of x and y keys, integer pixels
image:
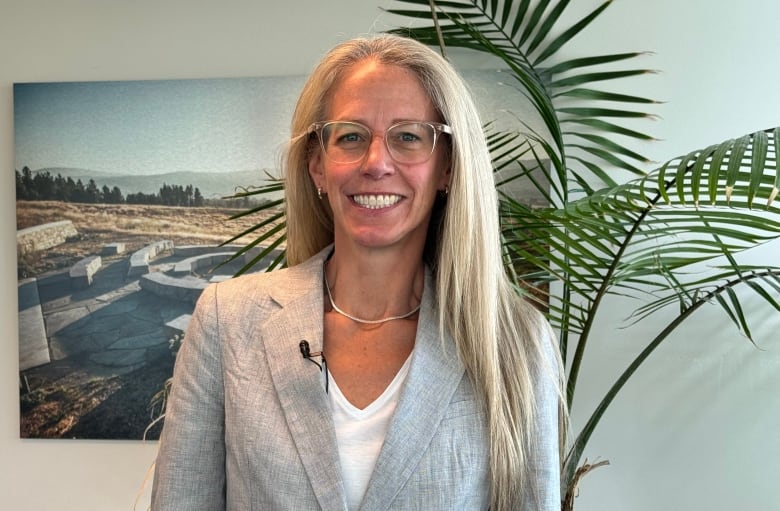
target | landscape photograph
[
  {"x": 126, "y": 198},
  {"x": 123, "y": 206}
]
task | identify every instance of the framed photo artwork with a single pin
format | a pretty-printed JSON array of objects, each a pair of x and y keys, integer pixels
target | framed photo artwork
[{"x": 123, "y": 205}]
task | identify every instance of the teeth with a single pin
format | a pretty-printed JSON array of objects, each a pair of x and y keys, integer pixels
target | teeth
[{"x": 376, "y": 201}]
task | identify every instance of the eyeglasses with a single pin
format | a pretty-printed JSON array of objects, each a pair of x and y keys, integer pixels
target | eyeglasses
[{"x": 407, "y": 142}]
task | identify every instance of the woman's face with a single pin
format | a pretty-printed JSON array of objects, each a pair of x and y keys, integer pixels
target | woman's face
[{"x": 376, "y": 201}]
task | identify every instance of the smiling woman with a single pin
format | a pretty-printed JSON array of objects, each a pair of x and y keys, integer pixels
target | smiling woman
[
  {"x": 358, "y": 167},
  {"x": 439, "y": 385}
]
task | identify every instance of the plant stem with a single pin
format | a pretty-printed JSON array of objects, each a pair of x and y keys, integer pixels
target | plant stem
[
  {"x": 570, "y": 464},
  {"x": 439, "y": 35},
  {"x": 579, "y": 352}
]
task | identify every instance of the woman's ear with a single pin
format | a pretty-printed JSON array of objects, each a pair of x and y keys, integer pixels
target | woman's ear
[
  {"x": 315, "y": 169},
  {"x": 446, "y": 175},
  {"x": 445, "y": 179}
]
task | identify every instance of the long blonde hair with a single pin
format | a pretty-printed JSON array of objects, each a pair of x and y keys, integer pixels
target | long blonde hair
[{"x": 501, "y": 339}]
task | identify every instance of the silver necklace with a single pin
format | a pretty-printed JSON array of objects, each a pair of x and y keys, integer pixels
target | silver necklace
[{"x": 360, "y": 320}]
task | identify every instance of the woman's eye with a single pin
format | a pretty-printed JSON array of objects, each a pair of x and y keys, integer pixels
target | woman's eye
[{"x": 350, "y": 137}]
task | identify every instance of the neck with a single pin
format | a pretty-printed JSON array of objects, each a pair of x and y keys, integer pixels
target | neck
[{"x": 375, "y": 287}]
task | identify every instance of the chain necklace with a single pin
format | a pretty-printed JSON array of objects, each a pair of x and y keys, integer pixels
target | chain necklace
[{"x": 360, "y": 320}]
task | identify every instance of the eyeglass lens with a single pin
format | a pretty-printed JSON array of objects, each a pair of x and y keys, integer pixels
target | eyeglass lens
[{"x": 408, "y": 142}]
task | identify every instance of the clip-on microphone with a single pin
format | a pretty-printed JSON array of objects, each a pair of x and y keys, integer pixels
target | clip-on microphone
[{"x": 307, "y": 354}]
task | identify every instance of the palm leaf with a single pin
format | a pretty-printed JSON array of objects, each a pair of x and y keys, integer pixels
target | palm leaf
[
  {"x": 269, "y": 233},
  {"x": 765, "y": 277},
  {"x": 516, "y": 40}
]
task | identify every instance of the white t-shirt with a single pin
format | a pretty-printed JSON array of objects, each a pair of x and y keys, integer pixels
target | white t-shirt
[{"x": 361, "y": 433}]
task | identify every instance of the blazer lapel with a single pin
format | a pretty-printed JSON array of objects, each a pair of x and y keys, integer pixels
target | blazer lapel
[
  {"x": 423, "y": 403},
  {"x": 298, "y": 381}
]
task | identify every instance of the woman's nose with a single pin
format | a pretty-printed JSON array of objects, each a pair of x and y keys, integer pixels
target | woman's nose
[{"x": 378, "y": 161}]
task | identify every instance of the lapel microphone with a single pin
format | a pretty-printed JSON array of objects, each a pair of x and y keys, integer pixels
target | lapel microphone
[{"x": 307, "y": 354}]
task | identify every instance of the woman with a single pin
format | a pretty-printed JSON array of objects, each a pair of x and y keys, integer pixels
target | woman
[{"x": 438, "y": 387}]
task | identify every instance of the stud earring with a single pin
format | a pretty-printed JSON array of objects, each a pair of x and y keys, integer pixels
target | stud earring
[
  {"x": 319, "y": 192},
  {"x": 446, "y": 189}
]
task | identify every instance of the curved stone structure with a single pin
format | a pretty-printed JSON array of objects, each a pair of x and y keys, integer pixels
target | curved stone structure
[
  {"x": 82, "y": 272},
  {"x": 195, "y": 263},
  {"x": 33, "y": 345},
  {"x": 181, "y": 285},
  {"x": 139, "y": 261},
  {"x": 182, "y": 289},
  {"x": 41, "y": 237}
]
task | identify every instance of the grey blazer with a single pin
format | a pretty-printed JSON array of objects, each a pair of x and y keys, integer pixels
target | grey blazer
[{"x": 248, "y": 425}]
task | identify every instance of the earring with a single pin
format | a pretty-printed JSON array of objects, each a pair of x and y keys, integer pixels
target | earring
[
  {"x": 446, "y": 189},
  {"x": 319, "y": 192}
]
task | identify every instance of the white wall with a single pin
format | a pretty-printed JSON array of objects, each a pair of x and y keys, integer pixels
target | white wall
[{"x": 697, "y": 429}]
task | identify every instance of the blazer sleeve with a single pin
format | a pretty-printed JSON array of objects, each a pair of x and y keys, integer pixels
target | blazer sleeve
[
  {"x": 544, "y": 460},
  {"x": 190, "y": 466}
]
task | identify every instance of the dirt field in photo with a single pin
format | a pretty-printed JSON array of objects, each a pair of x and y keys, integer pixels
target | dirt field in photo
[{"x": 134, "y": 225}]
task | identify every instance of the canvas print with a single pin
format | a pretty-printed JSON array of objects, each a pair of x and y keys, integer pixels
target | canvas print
[{"x": 123, "y": 203}]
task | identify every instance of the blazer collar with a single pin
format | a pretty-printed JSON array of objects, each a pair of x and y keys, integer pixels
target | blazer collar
[
  {"x": 434, "y": 376},
  {"x": 424, "y": 399},
  {"x": 298, "y": 381}
]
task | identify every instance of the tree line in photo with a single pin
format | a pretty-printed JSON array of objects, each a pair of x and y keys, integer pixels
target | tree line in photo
[{"x": 43, "y": 186}]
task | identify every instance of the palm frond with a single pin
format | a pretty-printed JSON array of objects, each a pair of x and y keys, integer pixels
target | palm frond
[
  {"x": 269, "y": 231},
  {"x": 574, "y": 454},
  {"x": 524, "y": 42}
]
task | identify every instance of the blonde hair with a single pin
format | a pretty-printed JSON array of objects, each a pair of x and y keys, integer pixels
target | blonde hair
[{"x": 499, "y": 337}]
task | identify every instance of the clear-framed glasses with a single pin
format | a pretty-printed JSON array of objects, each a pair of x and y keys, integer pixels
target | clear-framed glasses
[{"x": 407, "y": 142}]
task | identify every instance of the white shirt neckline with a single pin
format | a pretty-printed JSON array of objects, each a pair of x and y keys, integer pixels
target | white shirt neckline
[{"x": 360, "y": 433}]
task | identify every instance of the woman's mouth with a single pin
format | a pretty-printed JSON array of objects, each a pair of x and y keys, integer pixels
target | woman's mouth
[{"x": 373, "y": 201}]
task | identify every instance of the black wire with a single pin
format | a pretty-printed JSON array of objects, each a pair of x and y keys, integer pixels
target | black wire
[{"x": 307, "y": 354}]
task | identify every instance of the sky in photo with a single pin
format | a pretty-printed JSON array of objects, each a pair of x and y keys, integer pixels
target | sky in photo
[
  {"x": 154, "y": 127},
  {"x": 163, "y": 126}
]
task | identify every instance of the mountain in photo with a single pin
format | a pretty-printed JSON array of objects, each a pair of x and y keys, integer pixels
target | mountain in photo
[{"x": 211, "y": 184}]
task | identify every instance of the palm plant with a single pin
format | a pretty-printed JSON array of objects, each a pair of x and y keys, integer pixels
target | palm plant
[{"x": 668, "y": 237}]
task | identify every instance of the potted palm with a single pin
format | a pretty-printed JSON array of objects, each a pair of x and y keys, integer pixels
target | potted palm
[{"x": 611, "y": 213}]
